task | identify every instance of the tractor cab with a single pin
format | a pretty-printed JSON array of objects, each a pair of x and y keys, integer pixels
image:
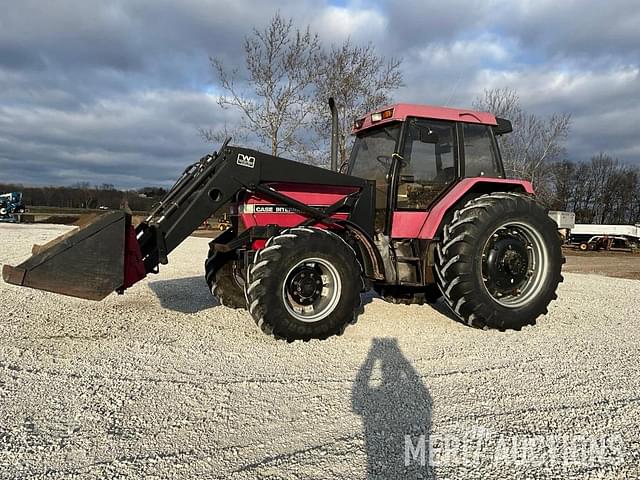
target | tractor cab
[{"x": 416, "y": 153}]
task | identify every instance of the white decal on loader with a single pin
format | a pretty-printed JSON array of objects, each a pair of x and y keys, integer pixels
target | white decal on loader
[
  {"x": 246, "y": 160},
  {"x": 271, "y": 208}
]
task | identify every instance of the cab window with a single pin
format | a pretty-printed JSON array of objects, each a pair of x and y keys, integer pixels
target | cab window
[
  {"x": 429, "y": 163},
  {"x": 480, "y": 154},
  {"x": 371, "y": 158},
  {"x": 372, "y": 153}
]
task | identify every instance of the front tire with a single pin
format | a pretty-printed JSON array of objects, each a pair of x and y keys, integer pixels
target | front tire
[
  {"x": 304, "y": 284},
  {"x": 223, "y": 278},
  {"x": 499, "y": 263}
]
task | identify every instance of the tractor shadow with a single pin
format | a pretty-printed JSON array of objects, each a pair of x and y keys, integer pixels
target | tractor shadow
[
  {"x": 184, "y": 295},
  {"x": 395, "y": 407}
]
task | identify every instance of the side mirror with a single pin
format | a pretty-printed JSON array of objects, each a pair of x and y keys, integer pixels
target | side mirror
[{"x": 503, "y": 126}]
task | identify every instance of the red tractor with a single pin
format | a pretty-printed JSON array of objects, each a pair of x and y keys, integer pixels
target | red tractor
[{"x": 424, "y": 210}]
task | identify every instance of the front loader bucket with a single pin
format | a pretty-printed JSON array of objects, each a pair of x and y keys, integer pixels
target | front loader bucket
[{"x": 86, "y": 263}]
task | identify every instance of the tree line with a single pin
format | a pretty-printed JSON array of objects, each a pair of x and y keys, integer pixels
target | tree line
[
  {"x": 84, "y": 195},
  {"x": 602, "y": 190}
]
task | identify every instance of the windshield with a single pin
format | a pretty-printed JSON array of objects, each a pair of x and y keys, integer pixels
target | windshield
[{"x": 371, "y": 153}]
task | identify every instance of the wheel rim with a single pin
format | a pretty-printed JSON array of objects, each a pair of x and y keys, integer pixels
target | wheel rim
[
  {"x": 514, "y": 264},
  {"x": 311, "y": 290}
]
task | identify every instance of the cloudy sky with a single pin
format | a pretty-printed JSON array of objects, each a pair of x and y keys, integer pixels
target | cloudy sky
[{"x": 114, "y": 92}]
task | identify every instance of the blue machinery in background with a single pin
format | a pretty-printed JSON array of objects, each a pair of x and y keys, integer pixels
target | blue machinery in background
[{"x": 11, "y": 207}]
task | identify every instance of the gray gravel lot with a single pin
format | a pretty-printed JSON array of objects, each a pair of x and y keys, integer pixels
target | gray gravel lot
[{"x": 162, "y": 383}]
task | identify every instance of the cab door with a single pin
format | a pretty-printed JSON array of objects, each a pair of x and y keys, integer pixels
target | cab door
[
  {"x": 373, "y": 158},
  {"x": 429, "y": 165}
]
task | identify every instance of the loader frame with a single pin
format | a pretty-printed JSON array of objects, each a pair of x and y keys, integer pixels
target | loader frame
[{"x": 230, "y": 175}]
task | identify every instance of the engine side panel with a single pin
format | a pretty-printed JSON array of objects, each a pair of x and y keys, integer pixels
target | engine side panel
[{"x": 259, "y": 211}]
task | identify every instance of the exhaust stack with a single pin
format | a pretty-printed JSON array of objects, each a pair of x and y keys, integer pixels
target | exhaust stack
[{"x": 334, "y": 134}]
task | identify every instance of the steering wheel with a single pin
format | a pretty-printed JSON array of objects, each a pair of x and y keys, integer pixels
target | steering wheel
[{"x": 384, "y": 160}]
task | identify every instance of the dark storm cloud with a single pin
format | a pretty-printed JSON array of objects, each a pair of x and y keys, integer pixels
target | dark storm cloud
[
  {"x": 416, "y": 23},
  {"x": 138, "y": 139},
  {"x": 567, "y": 28},
  {"x": 571, "y": 29},
  {"x": 113, "y": 92},
  {"x": 581, "y": 57},
  {"x": 91, "y": 48}
]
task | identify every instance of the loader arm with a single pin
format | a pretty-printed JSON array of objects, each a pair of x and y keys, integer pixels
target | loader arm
[
  {"x": 218, "y": 180},
  {"x": 109, "y": 255}
]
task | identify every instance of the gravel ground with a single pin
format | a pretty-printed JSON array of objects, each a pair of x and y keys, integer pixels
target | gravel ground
[
  {"x": 611, "y": 264},
  {"x": 162, "y": 383}
]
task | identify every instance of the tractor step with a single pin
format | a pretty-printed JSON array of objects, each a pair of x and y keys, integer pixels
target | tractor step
[{"x": 408, "y": 259}]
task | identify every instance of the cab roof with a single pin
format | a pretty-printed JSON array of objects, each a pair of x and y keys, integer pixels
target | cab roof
[{"x": 403, "y": 110}]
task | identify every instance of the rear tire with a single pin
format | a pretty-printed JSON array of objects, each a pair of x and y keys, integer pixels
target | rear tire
[
  {"x": 304, "y": 284},
  {"x": 222, "y": 277},
  {"x": 499, "y": 263}
]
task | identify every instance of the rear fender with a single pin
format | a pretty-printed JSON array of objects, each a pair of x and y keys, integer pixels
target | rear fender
[
  {"x": 465, "y": 190},
  {"x": 427, "y": 224}
]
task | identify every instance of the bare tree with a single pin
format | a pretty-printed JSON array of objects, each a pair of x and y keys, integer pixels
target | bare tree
[
  {"x": 534, "y": 142},
  {"x": 87, "y": 193},
  {"x": 584, "y": 193},
  {"x": 359, "y": 80},
  {"x": 624, "y": 189},
  {"x": 604, "y": 171},
  {"x": 276, "y": 99},
  {"x": 602, "y": 190},
  {"x": 563, "y": 184},
  {"x": 502, "y": 102},
  {"x": 238, "y": 133}
]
